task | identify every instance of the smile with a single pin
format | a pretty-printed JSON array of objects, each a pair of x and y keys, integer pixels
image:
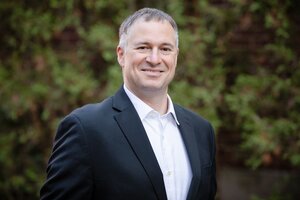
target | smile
[{"x": 152, "y": 71}]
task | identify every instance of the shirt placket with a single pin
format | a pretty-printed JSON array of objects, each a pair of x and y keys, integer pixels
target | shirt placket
[{"x": 168, "y": 159}]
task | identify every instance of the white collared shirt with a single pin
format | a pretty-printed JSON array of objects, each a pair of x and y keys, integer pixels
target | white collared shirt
[{"x": 168, "y": 146}]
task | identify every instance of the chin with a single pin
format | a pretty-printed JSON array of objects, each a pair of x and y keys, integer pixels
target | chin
[{"x": 152, "y": 88}]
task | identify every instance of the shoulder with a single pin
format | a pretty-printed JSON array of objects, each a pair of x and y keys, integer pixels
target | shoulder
[
  {"x": 88, "y": 118},
  {"x": 202, "y": 128},
  {"x": 190, "y": 116},
  {"x": 90, "y": 113}
]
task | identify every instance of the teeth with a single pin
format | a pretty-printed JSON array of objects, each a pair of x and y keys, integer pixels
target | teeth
[{"x": 147, "y": 70}]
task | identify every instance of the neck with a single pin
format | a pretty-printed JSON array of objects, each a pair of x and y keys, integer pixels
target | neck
[
  {"x": 158, "y": 103},
  {"x": 158, "y": 100}
]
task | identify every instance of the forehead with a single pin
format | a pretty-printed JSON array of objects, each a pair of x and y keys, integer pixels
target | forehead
[{"x": 152, "y": 31}]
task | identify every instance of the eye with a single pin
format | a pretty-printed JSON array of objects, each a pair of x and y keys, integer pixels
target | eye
[
  {"x": 166, "y": 50},
  {"x": 142, "y": 48}
]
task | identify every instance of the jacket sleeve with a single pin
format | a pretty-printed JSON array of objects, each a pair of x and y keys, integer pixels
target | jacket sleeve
[
  {"x": 213, "y": 191},
  {"x": 68, "y": 172}
]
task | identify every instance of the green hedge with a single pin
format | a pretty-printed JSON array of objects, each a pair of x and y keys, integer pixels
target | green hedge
[{"x": 58, "y": 55}]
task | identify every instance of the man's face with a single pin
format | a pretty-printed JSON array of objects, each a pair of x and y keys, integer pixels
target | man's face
[{"x": 149, "y": 57}]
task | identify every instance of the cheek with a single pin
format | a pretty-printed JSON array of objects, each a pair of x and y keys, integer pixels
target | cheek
[
  {"x": 172, "y": 64},
  {"x": 131, "y": 60}
]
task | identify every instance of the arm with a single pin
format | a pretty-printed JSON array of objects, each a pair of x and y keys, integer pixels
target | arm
[
  {"x": 68, "y": 172},
  {"x": 213, "y": 177}
]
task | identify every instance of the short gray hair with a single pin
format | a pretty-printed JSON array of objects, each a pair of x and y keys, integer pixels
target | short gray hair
[{"x": 147, "y": 14}]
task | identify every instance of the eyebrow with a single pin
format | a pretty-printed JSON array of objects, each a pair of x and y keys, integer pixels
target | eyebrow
[{"x": 147, "y": 43}]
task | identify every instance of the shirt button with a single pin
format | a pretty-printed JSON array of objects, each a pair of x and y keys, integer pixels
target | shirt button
[{"x": 169, "y": 173}]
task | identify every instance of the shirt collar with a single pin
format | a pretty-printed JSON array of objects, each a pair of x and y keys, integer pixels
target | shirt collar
[{"x": 143, "y": 109}]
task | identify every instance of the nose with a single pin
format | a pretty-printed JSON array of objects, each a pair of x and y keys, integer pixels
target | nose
[{"x": 154, "y": 57}]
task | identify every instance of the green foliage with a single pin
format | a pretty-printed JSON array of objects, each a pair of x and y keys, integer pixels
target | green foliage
[
  {"x": 264, "y": 99},
  {"x": 45, "y": 73},
  {"x": 58, "y": 55}
]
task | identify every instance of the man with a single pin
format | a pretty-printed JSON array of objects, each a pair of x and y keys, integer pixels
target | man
[{"x": 136, "y": 144}]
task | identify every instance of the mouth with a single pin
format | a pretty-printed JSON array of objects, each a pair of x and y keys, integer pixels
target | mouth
[{"x": 152, "y": 71}]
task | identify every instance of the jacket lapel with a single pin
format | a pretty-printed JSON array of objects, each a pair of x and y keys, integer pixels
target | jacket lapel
[
  {"x": 188, "y": 135},
  {"x": 132, "y": 127}
]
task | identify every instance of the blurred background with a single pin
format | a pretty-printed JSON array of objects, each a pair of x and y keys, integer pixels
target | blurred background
[{"x": 239, "y": 67}]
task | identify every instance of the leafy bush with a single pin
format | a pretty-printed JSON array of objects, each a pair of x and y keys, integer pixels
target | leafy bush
[{"x": 58, "y": 55}]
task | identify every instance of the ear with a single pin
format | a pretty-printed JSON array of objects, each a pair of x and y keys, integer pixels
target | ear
[
  {"x": 177, "y": 53},
  {"x": 120, "y": 53}
]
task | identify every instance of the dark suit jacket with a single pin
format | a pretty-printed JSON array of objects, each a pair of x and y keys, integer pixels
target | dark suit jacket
[{"x": 101, "y": 151}]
